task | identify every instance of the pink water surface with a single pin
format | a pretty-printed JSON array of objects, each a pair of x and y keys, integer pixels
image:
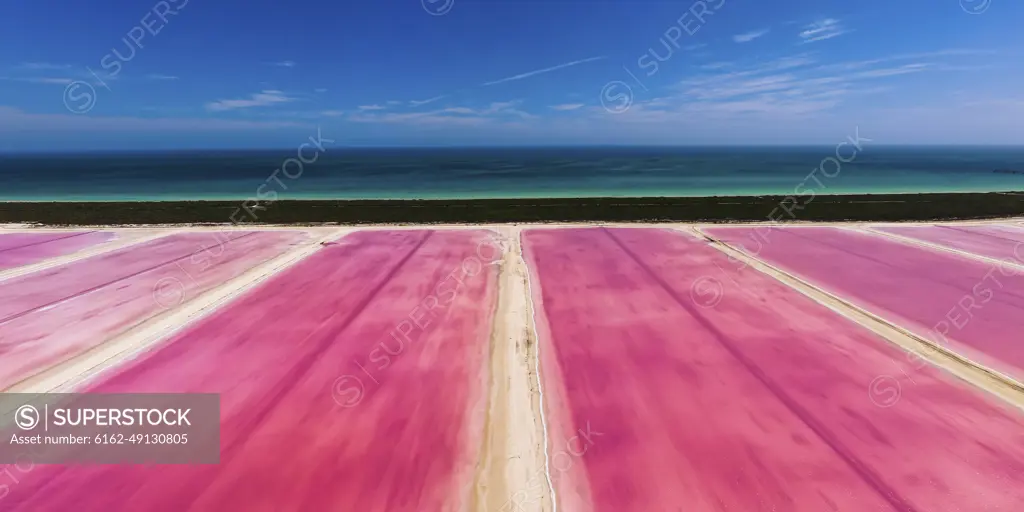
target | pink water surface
[
  {"x": 19, "y": 249},
  {"x": 10, "y": 241},
  {"x": 1001, "y": 242},
  {"x": 322, "y": 408},
  {"x": 964, "y": 304},
  {"x": 35, "y": 341},
  {"x": 717, "y": 388},
  {"x": 46, "y": 287}
]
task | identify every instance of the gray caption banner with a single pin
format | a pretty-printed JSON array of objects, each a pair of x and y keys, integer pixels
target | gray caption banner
[{"x": 109, "y": 428}]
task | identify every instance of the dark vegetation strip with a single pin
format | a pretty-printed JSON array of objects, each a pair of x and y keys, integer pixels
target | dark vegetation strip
[{"x": 878, "y": 207}]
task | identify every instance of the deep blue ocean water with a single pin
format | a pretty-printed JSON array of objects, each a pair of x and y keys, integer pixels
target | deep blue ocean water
[{"x": 509, "y": 172}]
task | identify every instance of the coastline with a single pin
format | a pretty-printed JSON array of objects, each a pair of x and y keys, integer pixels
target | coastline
[
  {"x": 579, "y": 194},
  {"x": 821, "y": 208}
]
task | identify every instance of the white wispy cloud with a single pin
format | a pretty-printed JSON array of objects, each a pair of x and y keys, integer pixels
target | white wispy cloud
[
  {"x": 15, "y": 119},
  {"x": 542, "y": 71},
  {"x": 421, "y": 118},
  {"x": 939, "y": 54},
  {"x": 749, "y": 36},
  {"x": 372, "y": 107},
  {"x": 158, "y": 76},
  {"x": 456, "y": 110},
  {"x": 46, "y": 80},
  {"x": 717, "y": 65},
  {"x": 949, "y": 52},
  {"x": 916, "y": 67},
  {"x": 1008, "y": 103},
  {"x": 44, "y": 66},
  {"x": 567, "y": 106},
  {"x": 786, "y": 64},
  {"x": 822, "y": 29},
  {"x": 332, "y": 113},
  {"x": 417, "y": 103},
  {"x": 264, "y": 98},
  {"x": 731, "y": 88},
  {"x": 503, "y": 108},
  {"x": 285, "y": 64},
  {"x": 455, "y": 116},
  {"x": 788, "y": 86},
  {"x": 499, "y": 111},
  {"x": 56, "y": 74}
]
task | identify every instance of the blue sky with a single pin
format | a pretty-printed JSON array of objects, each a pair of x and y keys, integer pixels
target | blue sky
[{"x": 119, "y": 74}]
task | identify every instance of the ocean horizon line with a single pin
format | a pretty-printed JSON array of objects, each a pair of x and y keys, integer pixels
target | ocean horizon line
[
  {"x": 304, "y": 199},
  {"x": 501, "y": 147}
]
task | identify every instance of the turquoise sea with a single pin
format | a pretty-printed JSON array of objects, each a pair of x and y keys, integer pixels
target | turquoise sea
[{"x": 382, "y": 173}]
